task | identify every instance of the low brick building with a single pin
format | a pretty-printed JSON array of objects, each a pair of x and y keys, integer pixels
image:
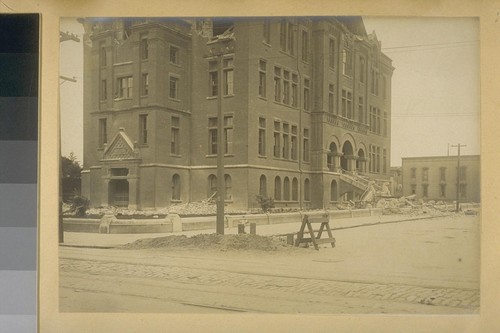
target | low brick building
[
  {"x": 306, "y": 105},
  {"x": 435, "y": 178}
]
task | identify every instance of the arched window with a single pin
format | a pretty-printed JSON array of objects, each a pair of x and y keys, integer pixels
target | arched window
[
  {"x": 286, "y": 189},
  {"x": 228, "y": 185},
  {"x": 277, "y": 188},
  {"x": 176, "y": 187},
  {"x": 307, "y": 190},
  {"x": 333, "y": 191},
  {"x": 263, "y": 186},
  {"x": 212, "y": 185},
  {"x": 295, "y": 189}
]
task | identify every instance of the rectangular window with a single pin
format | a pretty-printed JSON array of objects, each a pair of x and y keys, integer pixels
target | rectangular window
[
  {"x": 425, "y": 190},
  {"x": 294, "y": 152},
  {"x": 103, "y": 132},
  {"x": 174, "y": 87},
  {"x": 287, "y": 37},
  {"x": 331, "y": 53},
  {"x": 361, "y": 110},
  {"x": 386, "y": 126},
  {"x": 212, "y": 136},
  {"x": 144, "y": 84},
  {"x": 378, "y": 159},
  {"x": 277, "y": 84},
  {"x": 228, "y": 72},
  {"x": 175, "y": 136},
  {"x": 425, "y": 174},
  {"x": 262, "y": 78},
  {"x": 347, "y": 59},
  {"x": 384, "y": 87},
  {"x": 267, "y": 31},
  {"x": 295, "y": 90},
  {"x": 413, "y": 189},
  {"x": 463, "y": 173},
  {"x": 228, "y": 134},
  {"x": 143, "y": 129},
  {"x": 102, "y": 55},
  {"x": 124, "y": 87},
  {"x": 174, "y": 55},
  {"x": 262, "y": 136},
  {"x": 307, "y": 86},
  {"x": 442, "y": 174},
  {"x": 144, "y": 46},
  {"x": 213, "y": 80},
  {"x": 331, "y": 104},
  {"x": 442, "y": 190},
  {"x": 378, "y": 122},
  {"x": 346, "y": 104},
  {"x": 286, "y": 141},
  {"x": 413, "y": 173},
  {"x": 463, "y": 190},
  {"x": 286, "y": 87},
  {"x": 104, "y": 90},
  {"x": 305, "y": 45},
  {"x": 283, "y": 39},
  {"x": 305, "y": 149},
  {"x": 384, "y": 161},
  {"x": 277, "y": 139},
  {"x": 362, "y": 69}
]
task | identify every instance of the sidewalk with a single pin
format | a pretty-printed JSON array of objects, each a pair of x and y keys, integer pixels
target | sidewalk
[{"x": 81, "y": 239}]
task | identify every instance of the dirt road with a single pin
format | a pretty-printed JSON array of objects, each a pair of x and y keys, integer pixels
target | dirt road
[{"x": 426, "y": 266}]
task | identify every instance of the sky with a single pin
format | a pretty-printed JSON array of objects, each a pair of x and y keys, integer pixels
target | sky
[{"x": 435, "y": 85}]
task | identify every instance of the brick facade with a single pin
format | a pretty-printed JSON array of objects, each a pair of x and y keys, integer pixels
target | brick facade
[{"x": 304, "y": 100}]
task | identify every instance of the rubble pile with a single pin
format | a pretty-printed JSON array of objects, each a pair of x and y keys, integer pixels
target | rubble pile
[
  {"x": 211, "y": 241},
  {"x": 201, "y": 208},
  {"x": 409, "y": 205}
]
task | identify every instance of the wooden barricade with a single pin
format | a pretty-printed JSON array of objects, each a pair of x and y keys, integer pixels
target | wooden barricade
[{"x": 307, "y": 221}]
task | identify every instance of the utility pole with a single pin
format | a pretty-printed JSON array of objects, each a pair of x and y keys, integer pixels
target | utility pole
[
  {"x": 458, "y": 175},
  {"x": 219, "y": 53},
  {"x": 63, "y": 36}
]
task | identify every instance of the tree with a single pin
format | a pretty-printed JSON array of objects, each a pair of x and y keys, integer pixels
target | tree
[{"x": 70, "y": 177}]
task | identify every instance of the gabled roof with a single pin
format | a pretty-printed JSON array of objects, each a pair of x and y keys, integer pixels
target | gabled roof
[{"x": 120, "y": 148}]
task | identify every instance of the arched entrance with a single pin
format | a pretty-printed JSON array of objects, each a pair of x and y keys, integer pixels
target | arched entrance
[
  {"x": 331, "y": 161},
  {"x": 361, "y": 161},
  {"x": 118, "y": 193},
  {"x": 347, "y": 157}
]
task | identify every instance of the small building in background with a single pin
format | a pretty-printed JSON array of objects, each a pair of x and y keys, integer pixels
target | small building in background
[{"x": 435, "y": 178}]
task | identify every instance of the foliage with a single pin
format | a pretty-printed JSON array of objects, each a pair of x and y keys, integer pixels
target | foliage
[
  {"x": 266, "y": 203},
  {"x": 70, "y": 167},
  {"x": 79, "y": 204}
]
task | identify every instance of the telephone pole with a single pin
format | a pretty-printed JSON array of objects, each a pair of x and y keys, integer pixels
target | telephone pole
[
  {"x": 218, "y": 49},
  {"x": 458, "y": 175}
]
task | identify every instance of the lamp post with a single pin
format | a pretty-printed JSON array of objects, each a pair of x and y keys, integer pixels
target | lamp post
[{"x": 218, "y": 48}]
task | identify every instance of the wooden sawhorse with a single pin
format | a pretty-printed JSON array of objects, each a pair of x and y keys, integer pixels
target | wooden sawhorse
[{"x": 310, "y": 219}]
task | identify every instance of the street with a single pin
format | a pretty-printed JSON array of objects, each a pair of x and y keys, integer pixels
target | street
[{"x": 426, "y": 266}]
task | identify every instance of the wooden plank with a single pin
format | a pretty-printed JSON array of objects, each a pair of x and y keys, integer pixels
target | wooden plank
[
  {"x": 318, "y": 219},
  {"x": 325, "y": 240}
]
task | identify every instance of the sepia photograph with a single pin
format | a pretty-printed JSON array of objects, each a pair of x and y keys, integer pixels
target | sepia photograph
[{"x": 291, "y": 165}]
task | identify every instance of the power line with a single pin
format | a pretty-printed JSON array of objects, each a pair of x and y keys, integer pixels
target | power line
[
  {"x": 434, "y": 44},
  {"x": 418, "y": 115}
]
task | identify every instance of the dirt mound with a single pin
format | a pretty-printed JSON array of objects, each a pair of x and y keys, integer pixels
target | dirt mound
[{"x": 210, "y": 241}]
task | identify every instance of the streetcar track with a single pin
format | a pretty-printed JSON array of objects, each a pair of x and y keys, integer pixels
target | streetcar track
[{"x": 243, "y": 272}]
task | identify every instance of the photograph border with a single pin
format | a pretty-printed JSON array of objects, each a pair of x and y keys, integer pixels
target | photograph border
[{"x": 51, "y": 320}]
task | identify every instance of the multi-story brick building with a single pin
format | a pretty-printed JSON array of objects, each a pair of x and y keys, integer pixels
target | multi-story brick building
[
  {"x": 306, "y": 105},
  {"x": 435, "y": 178}
]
